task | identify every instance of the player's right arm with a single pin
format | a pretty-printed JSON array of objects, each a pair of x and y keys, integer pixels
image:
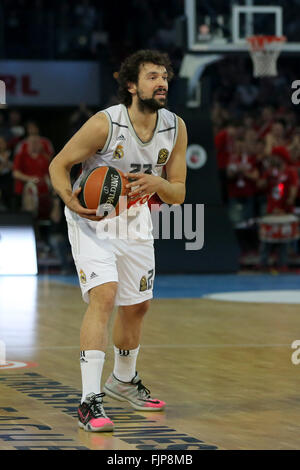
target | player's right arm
[{"x": 91, "y": 137}]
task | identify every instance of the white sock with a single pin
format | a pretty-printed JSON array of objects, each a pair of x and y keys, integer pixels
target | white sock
[
  {"x": 91, "y": 365},
  {"x": 125, "y": 363}
]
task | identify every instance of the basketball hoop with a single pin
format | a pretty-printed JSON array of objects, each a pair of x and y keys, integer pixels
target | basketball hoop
[{"x": 264, "y": 51}]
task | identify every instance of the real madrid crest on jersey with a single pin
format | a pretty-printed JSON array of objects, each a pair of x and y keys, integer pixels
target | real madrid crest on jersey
[
  {"x": 143, "y": 284},
  {"x": 82, "y": 277},
  {"x": 118, "y": 153},
  {"x": 162, "y": 156}
]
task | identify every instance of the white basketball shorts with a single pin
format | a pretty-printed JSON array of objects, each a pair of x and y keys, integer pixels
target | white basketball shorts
[{"x": 128, "y": 262}]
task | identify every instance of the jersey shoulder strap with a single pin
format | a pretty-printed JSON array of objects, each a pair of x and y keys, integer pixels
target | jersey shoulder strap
[
  {"x": 168, "y": 124},
  {"x": 116, "y": 121}
]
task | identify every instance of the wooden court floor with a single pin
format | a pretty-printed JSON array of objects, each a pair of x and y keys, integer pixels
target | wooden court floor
[{"x": 224, "y": 369}]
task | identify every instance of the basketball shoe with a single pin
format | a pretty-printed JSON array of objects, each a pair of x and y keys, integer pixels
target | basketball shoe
[
  {"x": 134, "y": 392},
  {"x": 91, "y": 415}
]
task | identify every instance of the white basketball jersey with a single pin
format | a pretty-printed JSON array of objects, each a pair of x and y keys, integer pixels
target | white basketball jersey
[{"x": 125, "y": 151}]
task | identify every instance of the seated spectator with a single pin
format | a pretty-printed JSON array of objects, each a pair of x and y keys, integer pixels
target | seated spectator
[
  {"x": 261, "y": 165},
  {"x": 294, "y": 145},
  {"x": 32, "y": 129},
  {"x": 242, "y": 175},
  {"x": 264, "y": 124},
  {"x": 281, "y": 182},
  {"x": 219, "y": 116},
  {"x": 6, "y": 180},
  {"x": 79, "y": 117},
  {"x": 16, "y": 127},
  {"x": 224, "y": 142},
  {"x": 250, "y": 139},
  {"x": 276, "y": 137},
  {"x": 31, "y": 175},
  {"x": 290, "y": 119},
  {"x": 294, "y": 150}
]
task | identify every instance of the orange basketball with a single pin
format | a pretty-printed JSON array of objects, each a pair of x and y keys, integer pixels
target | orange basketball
[{"x": 103, "y": 187}]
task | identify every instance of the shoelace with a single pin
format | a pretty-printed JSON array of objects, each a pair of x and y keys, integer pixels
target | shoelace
[
  {"x": 142, "y": 389},
  {"x": 96, "y": 405}
]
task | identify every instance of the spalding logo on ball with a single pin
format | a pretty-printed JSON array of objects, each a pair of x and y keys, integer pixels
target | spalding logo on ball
[{"x": 103, "y": 187}]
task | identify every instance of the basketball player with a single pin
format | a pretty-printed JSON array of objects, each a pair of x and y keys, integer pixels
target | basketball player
[{"x": 139, "y": 135}]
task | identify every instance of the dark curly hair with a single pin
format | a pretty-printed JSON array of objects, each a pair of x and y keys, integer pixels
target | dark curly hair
[{"x": 129, "y": 71}]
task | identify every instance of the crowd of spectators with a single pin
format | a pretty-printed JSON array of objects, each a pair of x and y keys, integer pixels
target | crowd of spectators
[
  {"x": 24, "y": 159},
  {"x": 256, "y": 128},
  {"x": 257, "y": 141},
  {"x": 247, "y": 150},
  {"x": 25, "y": 156},
  {"x": 87, "y": 29}
]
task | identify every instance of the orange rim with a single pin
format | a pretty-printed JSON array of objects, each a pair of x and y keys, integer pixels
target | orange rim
[{"x": 260, "y": 41}]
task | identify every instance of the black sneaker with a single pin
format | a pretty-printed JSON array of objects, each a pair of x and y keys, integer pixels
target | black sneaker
[{"x": 91, "y": 415}]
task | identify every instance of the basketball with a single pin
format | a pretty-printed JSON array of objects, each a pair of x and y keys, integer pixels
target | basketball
[{"x": 103, "y": 187}]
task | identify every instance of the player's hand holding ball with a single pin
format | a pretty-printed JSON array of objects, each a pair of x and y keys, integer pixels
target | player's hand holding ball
[
  {"x": 74, "y": 205},
  {"x": 99, "y": 194},
  {"x": 141, "y": 184}
]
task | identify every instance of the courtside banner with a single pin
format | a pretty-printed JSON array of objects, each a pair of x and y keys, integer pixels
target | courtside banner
[{"x": 50, "y": 83}]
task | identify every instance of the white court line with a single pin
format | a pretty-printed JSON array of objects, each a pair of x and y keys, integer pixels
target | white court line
[
  {"x": 159, "y": 346},
  {"x": 268, "y": 296}
]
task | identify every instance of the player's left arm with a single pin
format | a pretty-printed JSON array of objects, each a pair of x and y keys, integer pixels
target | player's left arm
[{"x": 172, "y": 189}]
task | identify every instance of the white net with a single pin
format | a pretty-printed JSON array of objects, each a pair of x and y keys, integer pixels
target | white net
[{"x": 264, "y": 51}]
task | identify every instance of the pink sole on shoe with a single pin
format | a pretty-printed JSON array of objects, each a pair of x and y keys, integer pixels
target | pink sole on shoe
[{"x": 161, "y": 404}]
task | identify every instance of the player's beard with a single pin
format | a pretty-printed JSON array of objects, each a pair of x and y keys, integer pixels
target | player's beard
[{"x": 151, "y": 104}]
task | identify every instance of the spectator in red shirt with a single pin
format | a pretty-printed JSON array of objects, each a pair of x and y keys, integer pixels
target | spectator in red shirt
[
  {"x": 290, "y": 119},
  {"x": 281, "y": 182},
  {"x": 261, "y": 165},
  {"x": 265, "y": 123},
  {"x": 224, "y": 142},
  {"x": 6, "y": 180},
  {"x": 32, "y": 129},
  {"x": 276, "y": 137},
  {"x": 31, "y": 175},
  {"x": 294, "y": 150},
  {"x": 242, "y": 175}
]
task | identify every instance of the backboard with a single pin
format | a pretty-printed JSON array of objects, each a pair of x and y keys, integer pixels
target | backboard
[
  {"x": 223, "y": 26},
  {"x": 219, "y": 28}
]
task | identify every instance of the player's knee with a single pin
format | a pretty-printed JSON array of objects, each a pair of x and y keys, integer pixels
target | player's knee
[
  {"x": 102, "y": 297},
  {"x": 143, "y": 307}
]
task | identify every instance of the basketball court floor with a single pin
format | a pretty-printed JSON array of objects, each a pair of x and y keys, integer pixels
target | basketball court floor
[{"x": 216, "y": 348}]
